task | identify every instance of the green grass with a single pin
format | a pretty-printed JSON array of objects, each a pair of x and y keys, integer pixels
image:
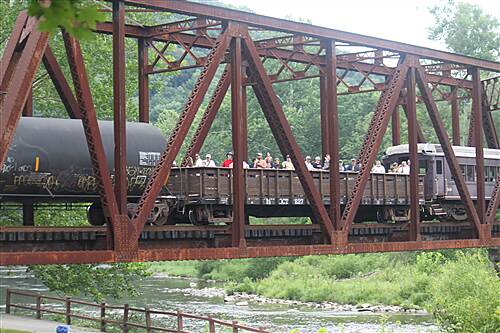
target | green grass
[
  {"x": 176, "y": 268},
  {"x": 8, "y": 330}
]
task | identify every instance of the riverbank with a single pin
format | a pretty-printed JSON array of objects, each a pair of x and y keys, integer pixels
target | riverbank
[
  {"x": 245, "y": 299},
  {"x": 167, "y": 293},
  {"x": 444, "y": 283}
]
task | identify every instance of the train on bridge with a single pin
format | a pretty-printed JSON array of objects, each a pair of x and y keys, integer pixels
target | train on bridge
[{"x": 48, "y": 161}]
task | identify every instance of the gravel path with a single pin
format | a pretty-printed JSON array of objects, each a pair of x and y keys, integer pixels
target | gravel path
[{"x": 36, "y": 325}]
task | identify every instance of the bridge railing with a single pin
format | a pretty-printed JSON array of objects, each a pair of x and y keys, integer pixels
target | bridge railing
[{"x": 126, "y": 315}]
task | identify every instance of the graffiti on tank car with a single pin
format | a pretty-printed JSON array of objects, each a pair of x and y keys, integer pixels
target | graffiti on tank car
[
  {"x": 148, "y": 158},
  {"x": 86, "y": 183},
  {"x": 35, "y": 179},
  {"x": 9, "y": 165},
  {"x": 25, "y": 168}
]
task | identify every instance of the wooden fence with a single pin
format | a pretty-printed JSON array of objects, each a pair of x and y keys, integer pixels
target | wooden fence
[{"x": 125, "y": 323}]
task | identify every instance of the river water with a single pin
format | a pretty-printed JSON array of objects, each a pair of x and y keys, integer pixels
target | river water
[{"x": 169, "y": 293}]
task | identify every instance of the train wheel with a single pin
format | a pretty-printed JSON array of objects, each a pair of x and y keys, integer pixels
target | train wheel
[
  {"x": 458, "y": 214},
  {"x": 95, "y": 215},
  {"x": 198, "y": 216}
]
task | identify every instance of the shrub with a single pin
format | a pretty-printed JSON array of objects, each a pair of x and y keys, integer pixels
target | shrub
[{"x": 464, "y": 294}]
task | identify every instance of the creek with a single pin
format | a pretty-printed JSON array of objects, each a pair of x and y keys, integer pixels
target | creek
[{"x": 171, "y": 293}]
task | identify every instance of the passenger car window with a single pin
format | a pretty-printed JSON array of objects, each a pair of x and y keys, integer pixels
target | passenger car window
[
  {"x": 462, "y": 169},
  {"x": 439, "y": 167},
  {"x": 470, "y": 173}
]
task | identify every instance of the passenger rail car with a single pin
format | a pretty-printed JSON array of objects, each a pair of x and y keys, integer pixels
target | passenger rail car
[{"x": 440, "y": 189}]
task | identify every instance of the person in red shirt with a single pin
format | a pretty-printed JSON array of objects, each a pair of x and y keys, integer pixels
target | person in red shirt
[{"x": 228, "y": 161}]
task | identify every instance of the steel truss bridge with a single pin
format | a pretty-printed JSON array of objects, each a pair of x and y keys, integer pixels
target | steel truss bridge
[{"x": 210, "y": 37}]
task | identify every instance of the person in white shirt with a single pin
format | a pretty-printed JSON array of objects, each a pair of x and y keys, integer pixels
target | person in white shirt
[
  {"x": 208, "y": 162},
  {"x": 308, "y": 163},
  {"x": 404, "y": 168},
  {"x": 198, "y": 162},
  {"x": 378, "y": 168}
]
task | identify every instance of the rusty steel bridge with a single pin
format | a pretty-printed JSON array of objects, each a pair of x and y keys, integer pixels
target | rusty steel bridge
[{"x": 210, "y": 37}]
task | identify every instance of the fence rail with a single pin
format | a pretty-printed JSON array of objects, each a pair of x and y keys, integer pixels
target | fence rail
[{"x": 125, "y": 323}]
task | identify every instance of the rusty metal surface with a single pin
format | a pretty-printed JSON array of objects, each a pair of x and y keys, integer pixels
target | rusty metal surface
[
  {"x": 332, "y": 121},
  {"x": 301, "y": 51},
  {"x": 282, "y": 132},
  {"x": 192, "y": 8},
  {"x": 119, "y": 111},
  {"x": 494, "y": 203},
  {"x": 162, "y": 169},
  {"x": 413, "y": 149},
  {"x": 93, "y": 136},
  {"x": 369, "y": 149},
  {"x": 143, "y": 79},
  {"x": 477, "y": 110},
  {"x": 449, "y": 154},
  {"x": 69, "y": 257},
  {"x": 17, "y": 82},
  {"x": 238, "y": 181},
  {"x": 282, "y": 54}
]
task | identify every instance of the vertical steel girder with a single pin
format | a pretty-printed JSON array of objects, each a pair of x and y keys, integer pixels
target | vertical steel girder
[
  {"x": 208, "y": 117},
  {"x": 414, "y": 232},
  {"x": 93, "y": 136},
  {"x": 371, "y": 144},
  {"x": 324, "y": 117},
  {"x": 477, "y": 108},
  {"x": 451, "y": 159},
  {"x": 17, "y": 79},
  {"x": 455, "y": 117},
  {"x": 119, "y": 104},
  {"x": 162, "y": 169},
  {"x": 332, "y": 119},
  {"x": 238, "y": 180},
  {"x": 62, "y": 87},
  {"x": 282, "y": 132},
  {"x": 244, "y": 119},
  {"x": 143, "y": 80},
  {"x": 396, "y": 127}
]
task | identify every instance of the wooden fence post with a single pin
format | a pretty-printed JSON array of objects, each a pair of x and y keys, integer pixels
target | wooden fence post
[
  {"x": 125, "y": 318},
  {"x": 180, "y": 324},
  {"x": 38, "y": 307},
  {"x": 103, "y": 317},
  {"x": 7, "y": 301},
  {"x": 148, "y": 319},
  {"x": 211, "y": 325},
  {"x": 68, "y": 311},
  {"x": 235, "y": 328}
]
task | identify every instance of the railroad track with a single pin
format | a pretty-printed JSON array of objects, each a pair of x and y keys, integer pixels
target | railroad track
[{"x": 13, "y": 239}]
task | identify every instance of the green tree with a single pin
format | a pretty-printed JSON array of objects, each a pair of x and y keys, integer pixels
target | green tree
[{"x": 466, "y": 29}]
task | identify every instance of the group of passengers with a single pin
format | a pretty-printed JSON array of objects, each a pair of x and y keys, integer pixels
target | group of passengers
[{"x": 267, "y": 162}]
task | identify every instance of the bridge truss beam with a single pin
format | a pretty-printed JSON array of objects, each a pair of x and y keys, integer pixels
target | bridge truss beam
[{"x": 210, "y": 36}]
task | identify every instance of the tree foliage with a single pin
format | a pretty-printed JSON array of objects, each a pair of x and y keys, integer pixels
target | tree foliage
[
  {"x": 95, "y": 281},
  {"x": 466, "y": 29},
  {"x": 77, "y": 17}
]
